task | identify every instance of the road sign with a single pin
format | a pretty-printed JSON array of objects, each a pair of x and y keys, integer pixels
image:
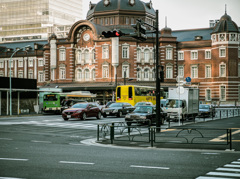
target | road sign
[{"x": 188, "y": 79}]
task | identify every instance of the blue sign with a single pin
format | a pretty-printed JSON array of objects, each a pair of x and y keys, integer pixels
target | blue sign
[{"x": 188, "y": 79}]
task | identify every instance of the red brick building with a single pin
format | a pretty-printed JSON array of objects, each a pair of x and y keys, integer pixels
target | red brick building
[{"x": 88, "y": 61}]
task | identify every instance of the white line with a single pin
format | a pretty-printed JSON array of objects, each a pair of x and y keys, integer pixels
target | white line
[
  {"x": 203, "y": 177},
  {"x": 18, "y": 159},
  {"x": 5, "y": 139},
  {"x": 236, "y": 162},
  {"x": 229, "y": 169},
  {"x": 234, "y": 166},
  {"x": 9, "y": 178},
  {"x": 224, "y": 174},
  {"x": 137, "y": 166},
  {"x": 36, "y": 141},
  {"x": 210, "y": 153},
  {"x": 81, "y": 163}
]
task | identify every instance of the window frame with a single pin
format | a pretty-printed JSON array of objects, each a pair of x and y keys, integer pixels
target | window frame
[
  {"x": 194, "y": 54},
  {"x": 125, "y": 51},
  {"x": 194, "y": 71},
  {"x": 62, "y": 54},
  {"x": 181, "y": 55},
  {"x": 105, "y": 52},
  {"x": 169, "y": 53},
  {"x": 208, "y": 74},
  {"x": 208, "y": 54},
  {"x": 169, "y": 72},
  {"x": 221, "y": 74}
]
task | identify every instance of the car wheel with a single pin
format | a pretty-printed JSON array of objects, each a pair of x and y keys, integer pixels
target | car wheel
[
  {"x": 65, "y": 119},
  {"x": 84, "y": 116},
  {"x": 99, "y": 115},
  {"x": 119, "y": 114}
]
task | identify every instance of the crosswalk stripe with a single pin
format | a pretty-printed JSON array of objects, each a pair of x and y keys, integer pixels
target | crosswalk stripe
[
  {"x": 208, "y": 177},
  {"x": 229, "y": 169},
  {"x": 236, "y": 162},
  {"x": 234, "y": 166},
  {"x": 224, "y": 174}
]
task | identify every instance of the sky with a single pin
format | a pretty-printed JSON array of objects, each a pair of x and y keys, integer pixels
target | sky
[{"x": 188, "y": 14}]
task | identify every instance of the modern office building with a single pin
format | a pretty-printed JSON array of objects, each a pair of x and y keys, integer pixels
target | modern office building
[{"x": 24, "y": 20}]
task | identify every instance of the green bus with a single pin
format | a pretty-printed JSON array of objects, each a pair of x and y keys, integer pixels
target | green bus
[{"x": 54, "y": 102}]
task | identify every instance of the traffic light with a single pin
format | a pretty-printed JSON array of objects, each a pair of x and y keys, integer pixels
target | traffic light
[
  {"x": 114, "y": 33},
  {"x": 140, "y": 31},
  {"x": 162, "y": 74}
]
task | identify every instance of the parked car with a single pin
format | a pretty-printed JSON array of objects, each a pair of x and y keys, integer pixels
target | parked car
[
  {"x": 117, "y": 109},
  {"x": 143, "y": 103},
  {"x": 206, "y": 110},
  {"x": 82, "y": 111},
  {"x": 143, "y": 115}
]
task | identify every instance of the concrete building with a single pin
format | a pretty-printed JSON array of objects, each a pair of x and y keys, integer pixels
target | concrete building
[
  {"x": 27, "y": 20},
  {"x": 85, "y": 60}
]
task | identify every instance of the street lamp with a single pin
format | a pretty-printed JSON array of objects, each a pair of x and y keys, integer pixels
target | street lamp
[{"x": 10, "y": 77}]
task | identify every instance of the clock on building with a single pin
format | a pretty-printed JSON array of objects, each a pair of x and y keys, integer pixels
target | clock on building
[
  {"x": 131, "y": 2},
  {"x": 86, "y": 37},
  {"x": 106, "y": 2}
]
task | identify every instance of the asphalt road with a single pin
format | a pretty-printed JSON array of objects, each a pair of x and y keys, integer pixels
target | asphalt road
[{"x": 48, "y": 147}]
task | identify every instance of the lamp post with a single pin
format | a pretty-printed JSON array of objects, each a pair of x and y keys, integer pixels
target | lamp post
[{"x": 10, "y": 78}]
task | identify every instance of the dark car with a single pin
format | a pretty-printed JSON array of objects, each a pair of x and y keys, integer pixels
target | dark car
[
  {"x": 206, "y": 110},
  {"x": 117, "y": 109},
  {"x": 69, "y": 102},
  {"x": 143, "y": 115},
  {"x": 82, "y": 111},
  {"x": 143, "y": 103}
]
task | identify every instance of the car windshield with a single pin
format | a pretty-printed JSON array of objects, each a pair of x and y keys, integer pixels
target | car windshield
[
  {"x": 116, "y": 105},
  {"x": 172, "y": 103},
  {"x": 80, "y": 105},
  {"x": 143, "y": 109},
  {"x": 204, "y": 106}
]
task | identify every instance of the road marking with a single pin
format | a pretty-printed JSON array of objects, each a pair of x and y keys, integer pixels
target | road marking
[
  {"x": 5, "y": 139},
  {"x": 9, "y": 178},
  {"x": 210, "y": 153},
  {"x": 234, "y": 166},
  {"x": 220, "y": 138},
  {"x": 36, "y": 141},
  {"x": 162, "y": 168},
  {"x": 17, "y": 159},
  {"x": 236, "y": 162},
  {"x": 202, "y": 177},
  {"x": 81, "y": 163},
  {"x": 229, "y": 169},
  {"x": 224, "y": 174}
]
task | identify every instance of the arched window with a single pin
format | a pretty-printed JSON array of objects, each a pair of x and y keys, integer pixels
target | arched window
[
  {"x": 79, "y": 56},
  {"x": 139, "y": 74},
  {"x": 93, "y": 74},
  {"x": 87, "y": 56},
  {"x": 79, "y": 75},
  {"x": 146, "y": 55},
  {"x": 146, "y": 74},
  {"x": 87, "y": 75},
  {"x": 138, "y": 55}
]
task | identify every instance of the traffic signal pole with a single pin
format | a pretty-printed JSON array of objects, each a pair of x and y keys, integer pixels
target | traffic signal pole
[{"x": 158, "y": 86}]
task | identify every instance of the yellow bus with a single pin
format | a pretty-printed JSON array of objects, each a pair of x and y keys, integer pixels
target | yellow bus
[{"x": 133, "y": 94}]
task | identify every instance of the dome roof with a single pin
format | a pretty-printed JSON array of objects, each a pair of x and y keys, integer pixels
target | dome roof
[
  {"x": 166, "y": 32},
  {"x": 117, "y": 5},
  {"x": 225, "y": 25}
]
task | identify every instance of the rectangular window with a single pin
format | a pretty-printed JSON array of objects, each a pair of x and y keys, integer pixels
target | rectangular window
[
  {"x": 208, "y": 71},
  {"x": 62, "y": 55},
  {"x": 169, "y": 52},
  {"x": 125, "y": 52},
  {"x": 62, "y": 73},
  {"x": 20, "y": 74},
  {"x": 119, "y": 93},
  {"x": 222, "y": 93},
  {"x": 208, "y": 95},
  {"x": 207, "y": 54},
  {"x": 138, "y": 55},
  {"x": 169, "y": 72},
  {"x": 40, "y": 76},
  {"x": 30, "y": 62},
  {"x": 222, "y": 52},
  {"x": 105, "y": 52},
  {"x": 106, "y": 20},
  {"x": 194, "y": 71},
  {"x": 1, "y": 64},
  {"x": 130, "y": 97},
  {"x": 105, "y": 72},
  {"x": 181, "y": 71},
  {"x": 194, "y": 55},
  {"x": 222, "y": 71},
  {"x": 181, "y": 55},
  {"x": 125, "y": 71},
  {"x": 111, "y": 20},
  {"x": 40, "y": 62},
  {"x": 30, "y": 75},
  {"x": 20, "y": 63}
]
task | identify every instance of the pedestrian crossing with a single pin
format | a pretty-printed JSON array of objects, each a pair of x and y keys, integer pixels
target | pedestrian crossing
[{"x": 228, "y": 171}]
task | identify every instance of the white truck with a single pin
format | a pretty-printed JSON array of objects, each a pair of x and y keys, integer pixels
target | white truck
[{"x": 182, "y": 103}]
